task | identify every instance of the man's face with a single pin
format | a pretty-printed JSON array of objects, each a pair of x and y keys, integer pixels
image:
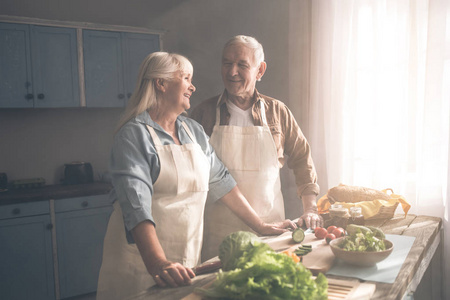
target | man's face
[{"x": 239, "y": 71}]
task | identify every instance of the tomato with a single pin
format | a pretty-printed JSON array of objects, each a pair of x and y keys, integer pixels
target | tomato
[
  {"x": 331, "y": 228},
  {"x": 320, "y": 232},
  {"x": 339, "y": 232},
  {"x": 329, "y": 237}
]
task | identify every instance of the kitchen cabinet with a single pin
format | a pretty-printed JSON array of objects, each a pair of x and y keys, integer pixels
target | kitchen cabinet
[
  {"x": 52, "y": 249},
  {"x": 80, "y": 229},
  {"x": 26, "y": 261},
  {"x": 39, "y": 66},
  {"x": 111, "y": 64}
]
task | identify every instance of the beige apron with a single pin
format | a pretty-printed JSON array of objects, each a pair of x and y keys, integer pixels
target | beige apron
[
  {"x": 250, "y": 155},
  {"x": 177, "y": 207}
]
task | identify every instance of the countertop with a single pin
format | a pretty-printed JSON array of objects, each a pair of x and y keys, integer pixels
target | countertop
[
  {"x": 57, "y": 191},
  {"x": 425, "y": 229}
]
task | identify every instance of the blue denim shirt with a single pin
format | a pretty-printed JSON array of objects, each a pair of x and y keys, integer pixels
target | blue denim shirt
[{"x": 135, "y": 166}]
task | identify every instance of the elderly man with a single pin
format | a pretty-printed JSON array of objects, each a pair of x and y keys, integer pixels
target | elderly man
[{"x": 252, "y": 134}]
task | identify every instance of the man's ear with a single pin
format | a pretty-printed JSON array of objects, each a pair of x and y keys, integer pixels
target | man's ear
[
  {"x": 160, "y": 85},
  {"x": 261, "y": 70}
]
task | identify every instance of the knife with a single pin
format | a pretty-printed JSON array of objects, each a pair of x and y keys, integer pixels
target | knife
[{"x": 207, "y": 267}]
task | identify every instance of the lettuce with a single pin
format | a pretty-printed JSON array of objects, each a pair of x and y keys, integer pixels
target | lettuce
[
  {"x": 362, "y": 242},
  {"x": 255, "y": 271}
]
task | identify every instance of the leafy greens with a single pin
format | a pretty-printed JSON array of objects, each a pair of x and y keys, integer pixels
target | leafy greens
[
  {"x": 362, "y": 242},
  {"x": 252, "y": 270}
]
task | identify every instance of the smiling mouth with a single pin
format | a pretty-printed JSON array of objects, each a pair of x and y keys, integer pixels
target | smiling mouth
[{"x": 187, "y": 96}]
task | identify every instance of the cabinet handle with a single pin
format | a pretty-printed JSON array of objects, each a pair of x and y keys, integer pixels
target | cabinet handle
[
  {"x": 85, "y": 204},
  {"x": 16, "y": 211},
  {"x": 41, "y": 96},
  {"x": 29, "y": 96},
  {"x": 121, "y": 96},
  {"x": 50, "y": 226}
]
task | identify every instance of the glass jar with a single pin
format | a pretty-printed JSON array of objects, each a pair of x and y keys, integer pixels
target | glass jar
[
  {"x": 356, "y": 216},
  {"x": 339, "y": 215}
]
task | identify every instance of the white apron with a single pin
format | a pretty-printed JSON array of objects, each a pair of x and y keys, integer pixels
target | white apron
[
  {"x": 250, "y": 155},
  {"x": 177, "y": 207}
]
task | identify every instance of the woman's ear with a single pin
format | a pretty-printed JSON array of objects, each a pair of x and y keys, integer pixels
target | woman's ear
[{"x": 160, "y": 85}]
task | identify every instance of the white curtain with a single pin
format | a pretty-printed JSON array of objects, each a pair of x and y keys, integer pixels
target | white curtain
[{"x": 375, "y": 101}]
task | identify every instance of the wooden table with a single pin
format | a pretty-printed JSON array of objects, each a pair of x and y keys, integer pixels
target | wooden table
[{"x": 425, "y": 229}]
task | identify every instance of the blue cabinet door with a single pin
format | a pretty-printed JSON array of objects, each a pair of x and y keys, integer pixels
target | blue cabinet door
[
  {"x": 80, "y": 237},
  {"x": 103, "y": 69},
  {"x": 26, "y": 262},
  {"x": 136, "y": 47},
  {"x": 15, "y": 66},
  {"x": 111, "y": 65},
  {"x": 55, "y": 67},
  {"x": 39, "y": 66}
]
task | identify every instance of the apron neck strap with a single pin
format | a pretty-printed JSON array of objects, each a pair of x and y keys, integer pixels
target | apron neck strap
[
  {"x": 261, "y": 105},
  {"x": 218, "y": 111},
  {"x": 155, "y": 137},
  {"x": 157, "y": 141},
  {"x": 263, "y": 113},
  {"x": 189, "y": 132}
]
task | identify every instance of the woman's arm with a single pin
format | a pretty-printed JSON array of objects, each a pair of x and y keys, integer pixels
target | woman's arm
[
  {"x": 163, "y": 271},
  {"x": 240, "y": 207}
]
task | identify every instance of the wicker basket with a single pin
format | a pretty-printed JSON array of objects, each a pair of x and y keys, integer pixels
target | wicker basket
[{"x": 385, "y": 212}]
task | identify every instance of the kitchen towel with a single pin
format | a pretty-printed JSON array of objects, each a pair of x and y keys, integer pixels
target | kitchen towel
[{"x": 384, "y": 271}]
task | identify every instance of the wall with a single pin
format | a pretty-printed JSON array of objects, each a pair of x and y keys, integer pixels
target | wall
[{"x": 37, "y": 142}]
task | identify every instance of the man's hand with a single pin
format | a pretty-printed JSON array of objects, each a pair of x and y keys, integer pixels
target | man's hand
[{"x": 310, "y": 220}]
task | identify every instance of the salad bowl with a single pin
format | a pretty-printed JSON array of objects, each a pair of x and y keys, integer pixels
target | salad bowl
[{"x": 358, "y": 258}]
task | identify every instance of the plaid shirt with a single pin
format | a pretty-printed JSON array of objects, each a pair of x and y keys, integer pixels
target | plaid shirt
[{"x": 289, "y": 140}]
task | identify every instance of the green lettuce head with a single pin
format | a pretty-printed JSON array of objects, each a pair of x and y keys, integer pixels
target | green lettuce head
[{"x": 234, "y": 246}]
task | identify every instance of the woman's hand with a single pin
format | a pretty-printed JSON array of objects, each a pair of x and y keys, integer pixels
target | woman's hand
[
  {"x": 276, "y": 227},
  {"x": 172, "y": 274},
  {"x": 165, "y": 272}
]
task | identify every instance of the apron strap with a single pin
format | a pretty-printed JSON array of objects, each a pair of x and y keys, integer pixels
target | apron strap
[
  {"x": 155, "y": 137},
  {"x": 189, "y": 132},
  {"x": 218, "y": 111},
  {"x": 263, "y": 112}
]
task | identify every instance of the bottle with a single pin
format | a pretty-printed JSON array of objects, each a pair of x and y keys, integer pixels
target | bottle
[{"x": 356, "y": 216}]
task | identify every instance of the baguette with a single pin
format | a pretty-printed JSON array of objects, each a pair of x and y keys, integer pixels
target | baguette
[{"x": 354, "y": 194}]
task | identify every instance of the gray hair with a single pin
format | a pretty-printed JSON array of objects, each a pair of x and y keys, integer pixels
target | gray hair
[
  {"x": 157, "y": 65},
  {"x": 249, "y": 42}
]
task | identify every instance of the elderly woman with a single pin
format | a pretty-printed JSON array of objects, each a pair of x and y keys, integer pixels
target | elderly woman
[
  {"x": 254, "y": 135},
  {"x": 162, "y": 168}
]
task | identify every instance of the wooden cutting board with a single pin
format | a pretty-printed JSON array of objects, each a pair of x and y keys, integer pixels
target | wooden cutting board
[
  {"x": 337, "y": 290},
  {"x": 319, "y": 260}
]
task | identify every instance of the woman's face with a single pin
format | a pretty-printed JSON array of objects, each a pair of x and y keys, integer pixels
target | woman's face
[
  {"x": 239, "y": 71},
  {"x": 178, "y": 91}
]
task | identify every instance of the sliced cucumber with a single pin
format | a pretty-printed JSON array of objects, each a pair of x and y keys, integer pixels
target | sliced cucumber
[{"x": 298, "y": 235}]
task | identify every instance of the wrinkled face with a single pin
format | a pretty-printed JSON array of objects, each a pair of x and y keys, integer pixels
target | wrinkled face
[
  {"x": 178, "y": 91},
  {"x": 239, "y": 71}
]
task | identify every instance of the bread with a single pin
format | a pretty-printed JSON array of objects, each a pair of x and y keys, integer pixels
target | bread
[{"x": 353, "y": 194}]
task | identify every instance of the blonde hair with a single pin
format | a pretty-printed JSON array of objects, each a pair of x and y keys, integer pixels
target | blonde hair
[
  {"x": 157, "y": 65},
  {"x": 249, "y": 42}
]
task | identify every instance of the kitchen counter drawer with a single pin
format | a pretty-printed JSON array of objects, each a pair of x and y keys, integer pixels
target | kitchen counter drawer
[
  {"x": 79, "y": 203},
  {"x": 24, "y": 209}
]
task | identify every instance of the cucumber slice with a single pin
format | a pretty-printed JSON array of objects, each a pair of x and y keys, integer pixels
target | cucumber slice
[{"x": 298, "y": 235}]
